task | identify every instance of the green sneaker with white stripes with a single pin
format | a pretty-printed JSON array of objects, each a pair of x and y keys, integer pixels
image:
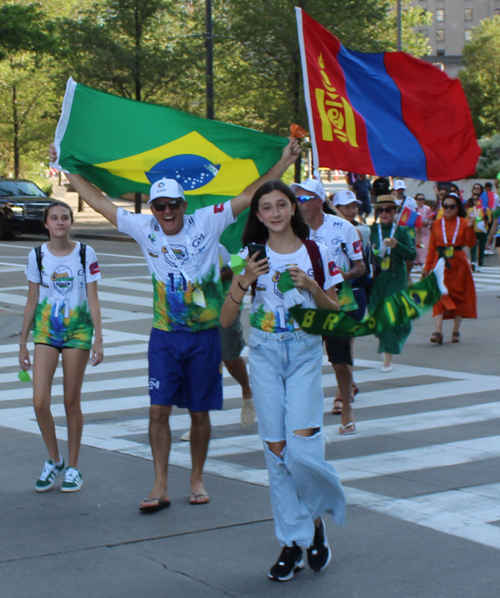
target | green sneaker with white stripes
[
  {"x": 51, "y": 471},
  {"x": 72, "y": 480}
]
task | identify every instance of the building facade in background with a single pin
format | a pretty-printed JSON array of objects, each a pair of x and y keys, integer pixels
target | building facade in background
[{"x": 452, "y": 27}]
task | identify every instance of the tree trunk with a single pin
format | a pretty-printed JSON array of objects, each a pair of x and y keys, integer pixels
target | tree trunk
[{"x": 15, "y": 139}]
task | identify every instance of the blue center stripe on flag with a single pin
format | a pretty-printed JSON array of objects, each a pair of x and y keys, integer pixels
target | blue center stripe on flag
[{"x": 374, "y": 95}]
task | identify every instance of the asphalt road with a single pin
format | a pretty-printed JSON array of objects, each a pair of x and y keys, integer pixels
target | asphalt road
[{"x": 422, "y": 476}]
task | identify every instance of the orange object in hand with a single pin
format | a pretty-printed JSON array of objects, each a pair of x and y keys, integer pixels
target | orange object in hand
[{"x": 297, "y": 131}]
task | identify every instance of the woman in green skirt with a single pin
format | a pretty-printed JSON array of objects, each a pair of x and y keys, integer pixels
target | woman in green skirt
[{"x": 392, "y": 248}]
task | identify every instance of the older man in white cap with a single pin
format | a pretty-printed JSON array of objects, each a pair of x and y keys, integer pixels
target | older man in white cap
[
  {"x": 344, "y": 243},
  {"x": 182, "y": 253}
]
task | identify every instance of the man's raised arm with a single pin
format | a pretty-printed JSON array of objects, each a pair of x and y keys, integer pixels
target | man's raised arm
[
  {"x": 88, "y": 192},
  {"x": 290, "y": 154}
]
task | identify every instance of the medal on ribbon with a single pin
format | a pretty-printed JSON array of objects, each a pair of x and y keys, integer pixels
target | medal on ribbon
[
  {"x": 386, "y": 263},
  {"x": 449, "y": 251}
]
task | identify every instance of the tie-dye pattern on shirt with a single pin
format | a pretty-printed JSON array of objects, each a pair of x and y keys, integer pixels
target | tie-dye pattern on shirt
[
  {"x": 174, "y": 309},
  {"x": 51, "y": 327}
]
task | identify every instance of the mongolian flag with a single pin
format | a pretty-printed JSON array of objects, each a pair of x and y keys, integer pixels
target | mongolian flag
[
  {"x": 124, "y": 146},
  {"x": 410, "y": 218},
  {"x": 488, "y": 200},
  {"x": 383, "y": 114}
]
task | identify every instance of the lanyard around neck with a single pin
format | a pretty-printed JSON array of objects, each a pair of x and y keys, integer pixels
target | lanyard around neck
[
  {"x": 455, "y": 235},
  {"x": 381, "y": 239}
]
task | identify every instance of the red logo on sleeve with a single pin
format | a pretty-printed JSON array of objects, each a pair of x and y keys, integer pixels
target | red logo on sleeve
[
  {"x": 218, "y": 208},
  {"x": 357, "y": 246},
  {"x": 334, "y": 270},
  {"x": 94, "y": 268}
]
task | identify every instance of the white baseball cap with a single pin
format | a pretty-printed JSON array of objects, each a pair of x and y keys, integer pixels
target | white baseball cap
[
  {"x": 311, "y": 185},
  {"x": 167, "y": 188},
  {"x": 399, "y": 184},
  {"x": 344, "y": 197}
]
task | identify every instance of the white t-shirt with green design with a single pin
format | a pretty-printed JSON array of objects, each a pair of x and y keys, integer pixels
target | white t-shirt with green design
[
  {"x": 194, "y": 250},
  {"x": 268, "y": 311},
  {"x": 62, "y": 317}
]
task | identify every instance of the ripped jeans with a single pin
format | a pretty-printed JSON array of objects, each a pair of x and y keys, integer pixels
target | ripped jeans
[{"x": 285, "y": 375}]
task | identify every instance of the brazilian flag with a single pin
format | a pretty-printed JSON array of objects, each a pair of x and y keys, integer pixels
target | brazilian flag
[{"x": 124, "y": 146}]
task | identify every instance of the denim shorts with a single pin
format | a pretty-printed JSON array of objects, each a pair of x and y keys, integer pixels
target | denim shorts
[{"x": 285, "y": 375}]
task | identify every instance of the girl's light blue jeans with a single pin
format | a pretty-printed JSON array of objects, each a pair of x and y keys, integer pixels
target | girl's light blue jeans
[{"x": 285, "y": 375}]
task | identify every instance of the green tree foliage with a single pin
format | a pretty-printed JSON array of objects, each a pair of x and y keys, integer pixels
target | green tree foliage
[
  {"x": 489, "y": 163},
  {"x": 133, "y": 48},
  {"x": 481, "y": 76},
  {"x": 25, "y": 42},
  {"x": 258, "y": 68}
]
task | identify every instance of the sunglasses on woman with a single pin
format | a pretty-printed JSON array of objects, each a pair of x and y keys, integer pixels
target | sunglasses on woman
[
  {"x": 173, "y": 205},
  {"x": 384, "y": 210},
  {"x": 449, "y": 206}
]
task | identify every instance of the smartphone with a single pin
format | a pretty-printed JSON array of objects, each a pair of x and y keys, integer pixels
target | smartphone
[{"x": 257, "y": 248}]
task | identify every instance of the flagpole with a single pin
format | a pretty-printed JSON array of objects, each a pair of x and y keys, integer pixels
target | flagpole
[{"x": 399, "y": 25}]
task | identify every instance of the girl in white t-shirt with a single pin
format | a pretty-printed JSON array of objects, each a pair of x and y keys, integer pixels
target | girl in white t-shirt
[
  {"x": 285, "y": 376},
  {"x": 63, "y": 308}
]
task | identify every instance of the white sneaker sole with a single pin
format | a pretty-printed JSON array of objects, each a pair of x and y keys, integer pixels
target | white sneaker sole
[
  {"x": 76, "y": 489},
  {"x": 298, "y": 567}
]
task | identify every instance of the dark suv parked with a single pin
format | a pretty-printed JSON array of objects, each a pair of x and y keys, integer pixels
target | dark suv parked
[{"x": 21, "y": 207}]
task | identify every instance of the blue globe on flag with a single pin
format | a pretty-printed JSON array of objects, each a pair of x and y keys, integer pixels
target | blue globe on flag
[{"x": 189, "y": 170}]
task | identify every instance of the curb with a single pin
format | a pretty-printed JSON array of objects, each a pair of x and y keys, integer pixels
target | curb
[{"x": 101, "y": 237}]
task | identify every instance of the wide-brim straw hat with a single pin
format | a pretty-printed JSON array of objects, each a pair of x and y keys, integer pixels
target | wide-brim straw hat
[{"x": 386, "y": 200}]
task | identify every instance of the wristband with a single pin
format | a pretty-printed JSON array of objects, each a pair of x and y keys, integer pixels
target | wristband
[
  {"x": 242, "y": 287},
  {"x": 237, "y": 302}
]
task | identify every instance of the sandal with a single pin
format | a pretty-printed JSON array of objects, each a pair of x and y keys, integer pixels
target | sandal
[
  {"x": 337, "y": 407},
  {"x": 348, "y": 429},
  {"x": 455, "y": 337},
  {"x": 437, "y": 337},
  {"x": 199, "y": 499}
]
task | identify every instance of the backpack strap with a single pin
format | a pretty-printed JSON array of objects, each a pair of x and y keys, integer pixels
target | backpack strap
[
  {"x": 83, "y": 259},
  {"x": 38, "y": 254},
  {"x": 316, "y": 261}
]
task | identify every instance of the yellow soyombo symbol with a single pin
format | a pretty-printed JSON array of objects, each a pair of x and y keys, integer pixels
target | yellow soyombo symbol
[{"x": 337, "y": 116}]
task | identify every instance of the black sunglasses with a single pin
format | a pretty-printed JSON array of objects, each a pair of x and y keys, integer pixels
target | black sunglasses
[
  {"x": 382, "y": 210},
  {"x": 173, "y": 205},
  {"x": 450, "y": 206}
]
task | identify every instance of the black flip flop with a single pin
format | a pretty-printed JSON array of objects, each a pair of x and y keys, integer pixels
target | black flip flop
[{"x": 162, "y": 504}]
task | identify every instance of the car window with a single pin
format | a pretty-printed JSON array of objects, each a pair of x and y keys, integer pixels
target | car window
[{"x": 20, "y": 188}]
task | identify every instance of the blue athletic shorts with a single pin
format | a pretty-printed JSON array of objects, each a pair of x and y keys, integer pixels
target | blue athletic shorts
[{"x": 185, "y": 369}]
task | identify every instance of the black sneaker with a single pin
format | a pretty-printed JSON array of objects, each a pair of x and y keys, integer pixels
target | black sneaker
[
  {"x": 319, "y": 554},
  {"x": 289, "y": 563}
]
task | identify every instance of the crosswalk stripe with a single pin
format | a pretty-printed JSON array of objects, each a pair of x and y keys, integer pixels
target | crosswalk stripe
[{"x": 124, "y": 425}]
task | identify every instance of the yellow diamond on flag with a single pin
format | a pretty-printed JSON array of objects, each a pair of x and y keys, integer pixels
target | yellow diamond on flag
[{"x": 197, "y": 164}]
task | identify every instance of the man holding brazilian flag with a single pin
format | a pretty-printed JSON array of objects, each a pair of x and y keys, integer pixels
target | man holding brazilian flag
[
  {"x": 125, "y": 146},
  {"x": 182, "y": 162}
]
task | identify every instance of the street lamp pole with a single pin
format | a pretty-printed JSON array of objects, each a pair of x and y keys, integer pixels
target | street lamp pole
[
  {"x": 209, "y": 59},
  {"x": 399, "y": 25}
]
